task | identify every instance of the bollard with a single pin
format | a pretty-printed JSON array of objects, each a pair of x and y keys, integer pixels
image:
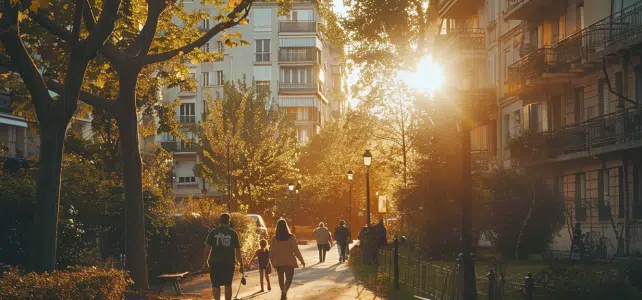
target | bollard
[
  {"x": 529, "y": 286},
  {"x": 491, "y": 284},
  {"x": 396, "y": 262}
]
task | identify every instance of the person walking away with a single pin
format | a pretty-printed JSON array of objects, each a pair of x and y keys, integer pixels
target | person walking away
[
  {"x": 222, "y": 251},
  {"x": 362, "y": 235},
  {"x": 283, "y": 256},
  {"x": 265, "y": 267},
  {"x": 382, "y": 235},
  {"x": 342, "y": 237},
  {"x": 324, "y": 241}
]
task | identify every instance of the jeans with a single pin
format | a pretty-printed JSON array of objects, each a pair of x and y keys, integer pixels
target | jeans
[
  {"x": 343, "y": 250},
  {"x": 322, "y": 252}
]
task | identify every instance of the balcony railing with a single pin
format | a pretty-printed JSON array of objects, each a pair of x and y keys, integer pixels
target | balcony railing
[
  {"x": 480, "y": 160},
  {"x": 305, "y": 86},
  {"x": 612, "y": 129},
  {"x": 544, "y": 60},
  {"x": 458, "y": 9},
  {"x": 463, "y": 39},
  {"x": 297, "y": 26},
  {"x": 297, "y": 55},
  {"x": 179, "y": 146},
  {"x": 11, "y": 149},
  {"x": 187, "y": 119}
]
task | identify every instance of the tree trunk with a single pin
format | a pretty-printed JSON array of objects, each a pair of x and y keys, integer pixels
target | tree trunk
[
  {"x": 45, "y": 234},
  {"x": 136, "y": 260}
]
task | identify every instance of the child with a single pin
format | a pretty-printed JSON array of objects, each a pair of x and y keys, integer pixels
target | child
[{"x": 265, "y": 268}]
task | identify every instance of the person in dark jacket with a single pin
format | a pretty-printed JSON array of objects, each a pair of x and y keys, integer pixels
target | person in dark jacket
[
  {"x": 342, "y": 237},
  {"x": 382, "y": 234}
]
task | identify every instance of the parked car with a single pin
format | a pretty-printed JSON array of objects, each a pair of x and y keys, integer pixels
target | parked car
[{"x": 261, "y": 229}]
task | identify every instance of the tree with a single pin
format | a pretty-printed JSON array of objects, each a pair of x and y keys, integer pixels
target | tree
[
  {"x": 244, "y": 136},
  {"x": 149, "y": 43},
  {"x": 520, "y": 215},
  {"x": 387, "y": 35},
  {"x": 49, "y": 40}
]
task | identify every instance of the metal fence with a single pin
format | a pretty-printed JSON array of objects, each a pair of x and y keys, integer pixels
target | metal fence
[{"x": 437, "y": 279}]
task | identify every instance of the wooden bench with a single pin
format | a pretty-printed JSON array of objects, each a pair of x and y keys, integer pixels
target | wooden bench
[{"x": 174, "y": 278}]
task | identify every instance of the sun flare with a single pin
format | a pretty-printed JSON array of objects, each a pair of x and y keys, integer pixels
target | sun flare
[{"x": 428, "y": 76}]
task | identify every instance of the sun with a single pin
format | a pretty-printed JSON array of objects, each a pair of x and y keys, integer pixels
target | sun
[{"x": 428, "y": 76}]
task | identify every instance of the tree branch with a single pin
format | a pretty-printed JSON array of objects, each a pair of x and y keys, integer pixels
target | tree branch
[
  {"x": 89, "y": 98},
  {"x": 104, "y": 27},
  {"x": 20, "y": 61},
  {"x": 234, "y": 20},
  {"x": 75, "y": 33},
  {"x": 144, "y": 40}
]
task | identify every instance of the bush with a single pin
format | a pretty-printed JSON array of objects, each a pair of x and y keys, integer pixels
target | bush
[
  {"x": 588, "y": 282},
  {"x": 180, "y": 248},
  {"x": 74, "y": 283}
]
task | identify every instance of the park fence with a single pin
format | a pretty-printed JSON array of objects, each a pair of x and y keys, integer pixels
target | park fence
[{"x": 436, "y": 279}]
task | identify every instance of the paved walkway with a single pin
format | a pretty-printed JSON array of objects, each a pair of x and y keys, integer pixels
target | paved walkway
[{"x": 328, "y": 280}]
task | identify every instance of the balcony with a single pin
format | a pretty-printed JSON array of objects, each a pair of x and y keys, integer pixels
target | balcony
[
  {"x": 458, "y": 9},
  {"x": 524, "y": 9},
  {"x": 463, "y": 40},
  {"x": 612, "y": 132},
  {"x": 297, "y": 55},
  {"x": 544, "y": 65},
  {"x": 297, "y": 26},
  {"x": 480, "y": 160},
  {"x": 179, "y": 146},
  {"x": 299, "y": 88},
  {"x": 187, "y": 120}
]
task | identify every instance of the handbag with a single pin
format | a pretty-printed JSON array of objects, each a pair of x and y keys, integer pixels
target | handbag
[{"x": 326, "y": 247}]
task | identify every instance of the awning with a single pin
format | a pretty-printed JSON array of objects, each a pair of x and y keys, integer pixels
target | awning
[
  {"x": 13, "y": 121},
  {"x": 299, "y": 102}
]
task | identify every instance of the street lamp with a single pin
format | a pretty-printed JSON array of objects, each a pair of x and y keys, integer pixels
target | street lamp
[
  {"x": 229, "y": 176},
  {"x": 297, "y": 190},
  {"x": 350, "y": 176},
  {"x": 291, "y": 188},
  {"x": 367, "y": 161}
]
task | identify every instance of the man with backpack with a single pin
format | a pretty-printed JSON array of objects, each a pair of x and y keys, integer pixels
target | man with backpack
[{"x": 222, "y": 251}]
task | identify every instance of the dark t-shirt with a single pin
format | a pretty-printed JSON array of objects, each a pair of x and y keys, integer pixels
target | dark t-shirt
[
  {"x": 341, "y": 234},
  {"x": 224, "y": 242}
]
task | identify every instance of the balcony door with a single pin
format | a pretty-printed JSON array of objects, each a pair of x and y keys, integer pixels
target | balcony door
[{"x": 297, "y": 75}]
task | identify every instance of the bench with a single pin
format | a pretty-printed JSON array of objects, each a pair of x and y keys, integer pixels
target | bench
[{"x": 174, "y": 278}]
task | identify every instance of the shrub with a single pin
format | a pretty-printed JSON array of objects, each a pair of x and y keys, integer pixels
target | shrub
[
  {"x": 588, "y": 282},
  {"x": 70, "y": 284}
]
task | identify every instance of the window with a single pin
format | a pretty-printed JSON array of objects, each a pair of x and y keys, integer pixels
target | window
[
  {"x": 206, "y": 78},
  {"x": 580, "y": 197},
  {"x": 537, "y": 117},
  {"x": 205, "y": 24},
  {"x": 303, "y": 134},
  {"x": 607, "y": 101},
  {"x": 220, "y": 48},
  {"x": 298, "y": 75},
  {"x": 206, "y": 47},
  {"x": 579, "y": 17},
  {"x": 186, "y": 179},
  {"x": 219, "y": 78},
  {"x": 506, "y": 63},
  {"x": 262, "y": 19},
  {"x": 188, "y": 113},
  {"x": 303, "y": 113},
  {"x": 262, "y": 50},
  {"x": 637, "y": 191},
  {"x": 479, "y": 139},
  {"x": 262, "y": 87},
  {"x": 578, "y": 105},
  {"x": 492, "y": 10},
  {"x": 299, "y": 15},
  {"x": 610, "y": 201},
  {"x": 506, "y": 130},
  {"x": 491, "y": 71}
]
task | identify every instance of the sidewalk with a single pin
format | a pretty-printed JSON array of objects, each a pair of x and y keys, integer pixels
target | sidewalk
[{"x": 328, "y": 280}]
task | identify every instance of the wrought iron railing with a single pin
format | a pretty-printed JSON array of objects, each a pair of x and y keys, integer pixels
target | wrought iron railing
[
  {"x": 187, "y": 119},
  {"x": 544, "y": 60},
  {"x": 298, "y": 26},
  {"x": 617, "y": 128},
  {"x": 297, "y": 54},
  {"x": 511, "y": 4},
  {"x": 480, "y": 160},
  {"x": 463, "y": 39},
  {"x": 298, "y": 86}
]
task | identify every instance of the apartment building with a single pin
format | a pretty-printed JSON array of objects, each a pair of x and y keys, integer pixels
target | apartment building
[
  {"x": 288, "y": 56},
  {"x": 16, "y": 141},
  {"x": 571, "y": 72}
]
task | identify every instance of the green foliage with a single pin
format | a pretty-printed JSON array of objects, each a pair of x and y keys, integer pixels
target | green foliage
[
  {"x": 589, "y": 282},
  {"x": 261, "y": 142},
  {"x": 17, "y": 205},
  {"x": 529, "y": 148},
  {"x": 73, "y": 283},
  {"x": 519, "y": 213}
]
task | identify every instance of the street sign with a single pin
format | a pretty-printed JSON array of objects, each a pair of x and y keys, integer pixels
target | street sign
[{"x": 383, "y": 204}]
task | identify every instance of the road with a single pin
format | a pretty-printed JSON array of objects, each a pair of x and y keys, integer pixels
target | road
[{"x": 328, "y": 280}]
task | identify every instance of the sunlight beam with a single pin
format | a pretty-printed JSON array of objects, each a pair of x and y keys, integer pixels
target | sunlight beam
[{"x": 427, "y": 77}]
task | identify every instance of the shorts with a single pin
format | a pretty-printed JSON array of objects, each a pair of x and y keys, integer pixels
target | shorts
[{"x": 221, "y": 274}]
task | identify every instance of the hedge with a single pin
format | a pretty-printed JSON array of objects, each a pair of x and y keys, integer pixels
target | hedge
[{"x": 73, "y": 283}]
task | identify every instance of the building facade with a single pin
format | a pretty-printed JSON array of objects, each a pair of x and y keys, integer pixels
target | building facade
[
  {"x": 288, "y": 56},
  {"x": 569, "y": 72}
]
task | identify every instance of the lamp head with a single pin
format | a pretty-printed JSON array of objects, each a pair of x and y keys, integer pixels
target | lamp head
[
  {"x": 350, "y": 175},
  {"x": 367, "y": 158},
  {"x": 291, "y": 186}
]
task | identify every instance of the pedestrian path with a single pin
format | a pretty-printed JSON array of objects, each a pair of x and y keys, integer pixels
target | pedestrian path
[{"x": 328, "y": 280}]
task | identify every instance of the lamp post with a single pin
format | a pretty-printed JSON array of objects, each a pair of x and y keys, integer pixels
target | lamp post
[
  {"x": 297, "y": 190},
  {"x": 229, "y": 176},
  {"x": 466, "y": 260},
  {"x": 350, "y": 176},
  {"x": 367, "y": 161},
  {"x": 291, "y": 188}
]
